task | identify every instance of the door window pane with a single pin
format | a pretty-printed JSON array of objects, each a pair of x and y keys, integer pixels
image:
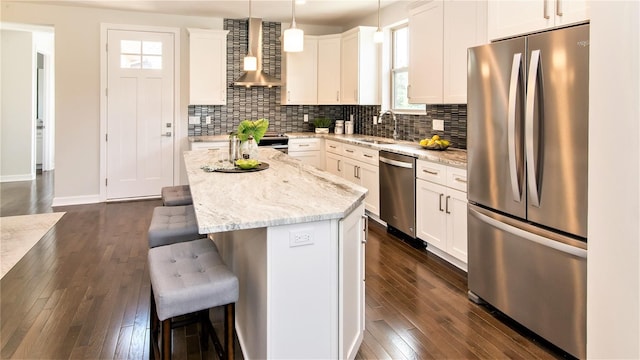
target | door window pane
[
  {"x": 152, "y": 62},
  {"x": 135, "y": 54},
  {"x": 130, "y": 61},
  {"x": 152, "y": 48},
  {"x": 130, "y": 46}
]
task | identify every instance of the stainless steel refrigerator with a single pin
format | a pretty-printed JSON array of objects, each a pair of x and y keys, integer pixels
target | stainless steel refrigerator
[{"x": 528, "y": 102}]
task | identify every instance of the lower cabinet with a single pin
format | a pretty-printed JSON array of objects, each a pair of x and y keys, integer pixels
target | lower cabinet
[
  {"x": 351, "y": 256},
  {"x": 308, "y": 150},
  {"x": 441, "y": 211},
  {"x": 358, "y": 165}
]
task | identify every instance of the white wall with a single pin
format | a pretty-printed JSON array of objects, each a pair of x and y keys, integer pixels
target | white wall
[
  {"x": 77, "y": 74},
  {"x": 613, "y": 266},
  {"x": 16, "y": 124}
]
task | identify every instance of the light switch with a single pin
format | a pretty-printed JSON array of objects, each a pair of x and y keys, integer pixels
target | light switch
[
  {"x": 208, "y": 119},
  {"x": 305, "y": 118},
  {"x": 375, "y": 120}
]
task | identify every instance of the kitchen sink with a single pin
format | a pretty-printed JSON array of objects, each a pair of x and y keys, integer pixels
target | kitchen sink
[{"x": 373, "y": 141}]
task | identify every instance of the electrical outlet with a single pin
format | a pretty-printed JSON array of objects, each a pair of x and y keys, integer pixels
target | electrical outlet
[
  {"x": 438, "y": 125},
  {"x": 301, "y": 237},
  {"x": 208, "y": 119},
  {"x": 194, "y": 120},
  {"x": 375, "y": 120},
  {"x": 305, "y": 118}
]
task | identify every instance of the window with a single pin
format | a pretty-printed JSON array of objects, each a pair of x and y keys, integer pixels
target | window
[
  {"x": 400, "y": 70},
  {"x": 135, "y": 54}
]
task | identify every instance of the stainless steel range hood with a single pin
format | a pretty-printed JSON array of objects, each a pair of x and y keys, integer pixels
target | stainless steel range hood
[{"x": 256, "y": 78}]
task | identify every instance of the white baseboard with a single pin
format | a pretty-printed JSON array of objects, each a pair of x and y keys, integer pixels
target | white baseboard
[
  {"x": 75, "y": 200},
  {"x": 21, "y": 177}
]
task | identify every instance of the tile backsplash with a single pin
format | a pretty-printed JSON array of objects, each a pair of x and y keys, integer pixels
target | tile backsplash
[{"x": 263, "y": 102}]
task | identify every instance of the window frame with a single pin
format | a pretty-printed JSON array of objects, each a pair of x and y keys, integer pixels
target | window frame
[{"x": 389, "y": 89}]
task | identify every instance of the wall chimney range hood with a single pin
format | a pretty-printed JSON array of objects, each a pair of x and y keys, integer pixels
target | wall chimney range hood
[{"x": 256, "y": 78}]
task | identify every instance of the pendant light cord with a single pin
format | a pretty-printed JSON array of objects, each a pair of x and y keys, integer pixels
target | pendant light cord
[
  {"x": 293, "y": 13},
  {"x": 378, "y": 15}
]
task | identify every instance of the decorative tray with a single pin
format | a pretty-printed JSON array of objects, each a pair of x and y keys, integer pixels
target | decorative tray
[{"x": 234, "y": 169}]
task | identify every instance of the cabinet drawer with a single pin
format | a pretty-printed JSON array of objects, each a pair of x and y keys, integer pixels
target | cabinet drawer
[
  {"x": 304, "y": 144},
  {"x": 333, "y": 147},
  {"x": 359, "y": 153},
  {"x": 213, "y": 145},
  {"x": 457, "y": 178},
  {"x": 433, "y": 172}
]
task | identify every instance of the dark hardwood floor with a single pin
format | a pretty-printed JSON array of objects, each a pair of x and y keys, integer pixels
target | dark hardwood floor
[{"x": 83, "y": 292}]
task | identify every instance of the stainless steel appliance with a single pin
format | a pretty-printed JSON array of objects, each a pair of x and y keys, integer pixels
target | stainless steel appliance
[
  {"x": 527, "y": 181},
  {"x": 398, "y": 192},
  {"x": 278, "y": 141}
]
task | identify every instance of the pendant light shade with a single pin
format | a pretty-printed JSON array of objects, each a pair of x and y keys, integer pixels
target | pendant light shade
[
  {"x": 293, "y": 37},
  {"x": 250, "y": 62},
  {"x": 378, "y": 36}
]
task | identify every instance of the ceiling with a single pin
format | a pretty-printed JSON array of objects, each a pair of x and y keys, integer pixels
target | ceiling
[{"x": 312, "y": 12}]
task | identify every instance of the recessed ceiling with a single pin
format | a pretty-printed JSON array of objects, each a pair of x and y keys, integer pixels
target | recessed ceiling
[{"x": 312, "y": 12}]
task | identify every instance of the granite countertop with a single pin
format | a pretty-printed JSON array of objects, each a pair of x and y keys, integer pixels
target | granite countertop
[
  {"x": 285, "y": 193},
  {"x": 451, "y": 157}
]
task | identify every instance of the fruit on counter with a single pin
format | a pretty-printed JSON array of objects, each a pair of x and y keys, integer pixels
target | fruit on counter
[
  {"x": 435, "y": 143},
  {"x": 245, "y": 164}
]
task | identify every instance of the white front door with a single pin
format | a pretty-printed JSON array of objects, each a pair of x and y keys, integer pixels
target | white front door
[{"x": 140, "y": 113}]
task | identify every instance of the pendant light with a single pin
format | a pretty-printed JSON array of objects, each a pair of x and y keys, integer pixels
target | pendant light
[
  {"x": 293, "y": 37},
  {"x": 250, "y": 61},
  {"x": 378, "y": 36}
]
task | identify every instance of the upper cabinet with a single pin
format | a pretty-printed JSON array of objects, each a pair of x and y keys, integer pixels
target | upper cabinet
[
  {"x": 207, "y": 67},
  {"x": 510, "y": 18},
  {"x": 300, "y": 75},
  {"x": 329, "y": 69},
  {"x": 439, "y": 34},
  {"x": 359, "y": 68}
]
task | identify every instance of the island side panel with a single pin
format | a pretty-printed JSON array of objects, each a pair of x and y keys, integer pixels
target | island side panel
[
  {"x": 245, "y": 253},
  {"x": 303, "y": 290}
]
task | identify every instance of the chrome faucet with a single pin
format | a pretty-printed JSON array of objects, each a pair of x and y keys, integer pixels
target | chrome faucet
[{"x": 395, "y": 121}]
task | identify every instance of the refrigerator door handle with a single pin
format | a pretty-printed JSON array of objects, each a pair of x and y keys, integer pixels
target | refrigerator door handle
[
  {"x": 511, "y": 126},
  {"x": 532, "y": 175},
  {"x": 556, "y": 245}
]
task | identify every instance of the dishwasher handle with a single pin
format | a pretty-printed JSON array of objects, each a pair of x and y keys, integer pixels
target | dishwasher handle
[{"x": 397, "y": 163}]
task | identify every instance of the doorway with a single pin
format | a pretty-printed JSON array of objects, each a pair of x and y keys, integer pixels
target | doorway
[{"x": 139, "y": 111}]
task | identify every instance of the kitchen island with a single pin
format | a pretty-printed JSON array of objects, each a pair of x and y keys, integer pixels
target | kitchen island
[{"x": 294, "y": 235}]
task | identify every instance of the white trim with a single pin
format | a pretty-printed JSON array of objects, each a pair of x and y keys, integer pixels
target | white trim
[
  {"x": 177, "y": 133},
  {"x": 75, "y": 200},
  {"x": 20, "y": 177}
]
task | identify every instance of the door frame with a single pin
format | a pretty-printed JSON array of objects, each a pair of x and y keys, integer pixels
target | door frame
[{"x": 177, "y": 135}]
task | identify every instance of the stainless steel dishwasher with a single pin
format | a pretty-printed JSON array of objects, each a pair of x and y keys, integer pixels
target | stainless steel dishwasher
[{"x": 398, "y": 193}]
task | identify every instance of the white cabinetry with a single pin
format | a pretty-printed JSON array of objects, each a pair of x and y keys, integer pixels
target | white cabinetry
[
  {"x": 439, "y": 34},
  {"x": 329, "y": 69},
  {"x": 217, "y": 146},
  {"x": 308, "y": 150},
  {"x": 510, "y": 18},
  {"x": 441, "y": 210},
  {"x": 359, "y": 68},
  {"x": 351, "y": 265},
  {"x": 359, "y": 165},
  {"x": 300, "y": 75},
  {"x": 207, "y": 67}
]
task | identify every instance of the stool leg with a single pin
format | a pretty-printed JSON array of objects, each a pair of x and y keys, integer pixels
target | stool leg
[
  {"x": 229, "y": 329},
  {"x": 153, "y": 327},
  {"x": 166, "y": 339}
]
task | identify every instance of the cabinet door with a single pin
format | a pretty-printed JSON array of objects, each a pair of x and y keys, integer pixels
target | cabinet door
[
  {"x": 329, "y": 70},
  {"x": 333, "y": 163},
  {"x": 431, "y": 219},
  {"x": 571, "y": 11},
  {"x": 456, "y": 206},
  {"x": 508, "y": 18},
  {"x": 369, "y": 176},
  {"x": 349, "y": 69},
  {"x": 465, "y": 26},
  {"x": 207, "y": 67},
  {"x": 308, "y": 157},
  {"x": 349, "y": 169},
  {"x": 301, "y": 75},
  {"x": 425, "y": 53},
  {"x": 351, "y": 304}
]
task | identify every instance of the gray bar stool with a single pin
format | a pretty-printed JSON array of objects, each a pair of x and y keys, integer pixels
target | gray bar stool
[
  {"x": 190, "y": 277},
  {"x": 172, "y": 224},
  {"x": 176, "y": 195}
]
